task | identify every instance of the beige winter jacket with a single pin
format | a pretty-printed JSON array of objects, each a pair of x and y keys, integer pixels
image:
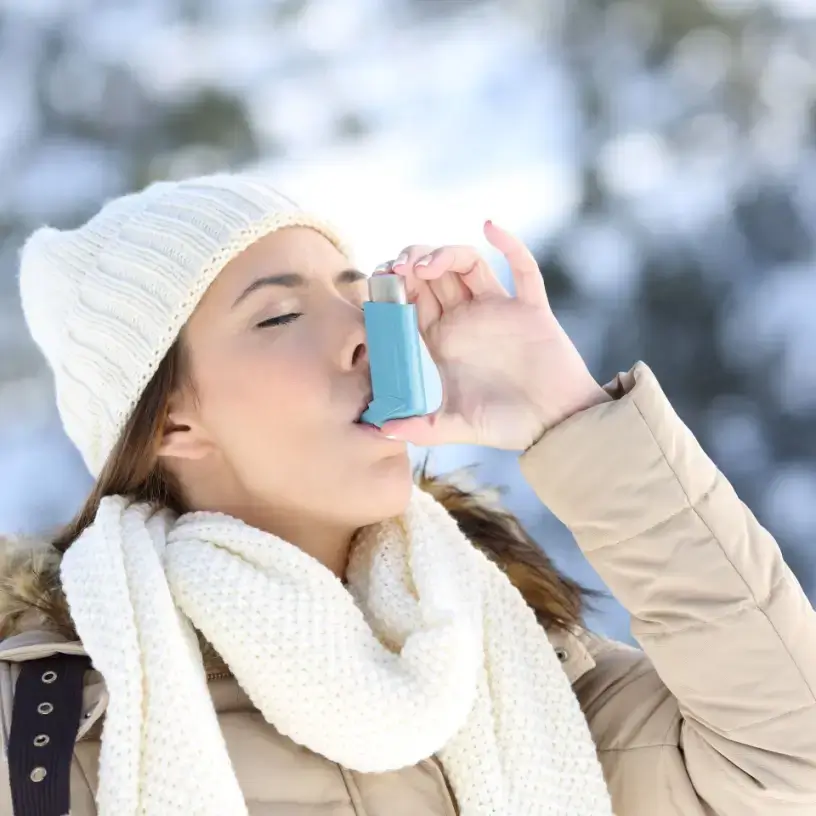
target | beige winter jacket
[{"x": 716, "y": 716}]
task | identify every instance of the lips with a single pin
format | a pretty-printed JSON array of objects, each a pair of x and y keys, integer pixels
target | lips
[{"x": 362, "y": 409}]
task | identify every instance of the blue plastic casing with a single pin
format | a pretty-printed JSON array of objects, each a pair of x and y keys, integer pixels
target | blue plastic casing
[{"x": 394, "y": 352}]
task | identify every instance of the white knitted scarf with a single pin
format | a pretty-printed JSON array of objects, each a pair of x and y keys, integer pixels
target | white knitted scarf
[{"x": 429, "y": 650}]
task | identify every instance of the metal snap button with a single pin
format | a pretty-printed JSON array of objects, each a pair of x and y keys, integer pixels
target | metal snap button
[
  {"x": 38, "y": 774},
  {"x": 45, "y": 708},
  {"x": 41, "y": 739},
  {"x": 49, "y": 677},
  {"x": 562, "y": 654}
]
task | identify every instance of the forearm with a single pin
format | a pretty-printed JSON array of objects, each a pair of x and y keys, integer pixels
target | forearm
[{"x": 714, "y": 605}]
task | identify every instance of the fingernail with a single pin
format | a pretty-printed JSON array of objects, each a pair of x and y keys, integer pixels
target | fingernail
[
  {"x": 401, "y": 259},
  {"x": 383, "y": 267},
  {"x": 424, "y": 261}
]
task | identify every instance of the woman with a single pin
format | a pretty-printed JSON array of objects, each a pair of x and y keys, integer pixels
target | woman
[{"x": 280, "y": 622}]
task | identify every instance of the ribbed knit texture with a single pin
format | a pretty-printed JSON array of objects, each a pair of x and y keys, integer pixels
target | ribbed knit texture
[
  {"x": 430, "y": 650},
  {"x": 105, "y": 302}
]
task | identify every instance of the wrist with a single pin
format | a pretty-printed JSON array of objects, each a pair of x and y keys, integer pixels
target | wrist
[{"x": 584, "y": 396}]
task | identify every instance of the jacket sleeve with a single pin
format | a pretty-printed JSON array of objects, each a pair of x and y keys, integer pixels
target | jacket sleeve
[{"x": 715, "y": 608}]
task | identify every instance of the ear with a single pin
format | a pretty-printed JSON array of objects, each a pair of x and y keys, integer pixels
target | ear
[{"x": 183, "y": 436}]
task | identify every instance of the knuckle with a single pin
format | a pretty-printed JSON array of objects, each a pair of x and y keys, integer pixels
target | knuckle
[
  {"x": 415, "y": 250},
  {"x": 466, "y": 251}
]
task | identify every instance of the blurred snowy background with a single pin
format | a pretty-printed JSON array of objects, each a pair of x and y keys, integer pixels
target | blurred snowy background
[{"x": 658, "y": 155}]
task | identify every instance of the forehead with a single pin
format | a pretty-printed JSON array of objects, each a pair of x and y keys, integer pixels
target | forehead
[
  {"x": 292, "y": 249},
  {"x": 297, "y": 250}
]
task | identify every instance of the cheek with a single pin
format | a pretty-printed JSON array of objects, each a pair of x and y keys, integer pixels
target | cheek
[{"x": 263, "y": 399}]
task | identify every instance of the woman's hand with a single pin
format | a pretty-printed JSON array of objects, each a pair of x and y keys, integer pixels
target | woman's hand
[{"x": 509, "y": 372}]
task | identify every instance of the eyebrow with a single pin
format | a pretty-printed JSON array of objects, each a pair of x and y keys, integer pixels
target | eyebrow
[{"x": 293, "y": 280}]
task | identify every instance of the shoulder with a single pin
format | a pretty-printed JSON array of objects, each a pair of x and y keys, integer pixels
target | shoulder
[
  {"x": 34, "y": 619},
  {"x": 40, "y": 675},
  {"x": 31, "y": 596},
  {"x": 43, "y": 654},
  {"x": 625, "y": 702},
  {"x": 39, "y": 651}
]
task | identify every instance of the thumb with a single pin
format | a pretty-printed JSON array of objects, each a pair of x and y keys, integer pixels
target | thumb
[{"x": 431, "y": 429}]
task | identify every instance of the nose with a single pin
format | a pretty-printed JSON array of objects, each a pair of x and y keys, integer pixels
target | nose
[{"x": 354, "y": 348}]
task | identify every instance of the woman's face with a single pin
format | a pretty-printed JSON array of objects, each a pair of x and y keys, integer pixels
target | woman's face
[{"x": 279, "y": 374}]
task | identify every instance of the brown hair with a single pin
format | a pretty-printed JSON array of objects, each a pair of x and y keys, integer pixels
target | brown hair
[
  {"x": 557, "y": 600},
  {"x": 134, "y": 470}
]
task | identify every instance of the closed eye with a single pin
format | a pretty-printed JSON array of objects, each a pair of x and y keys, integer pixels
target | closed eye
[{"x": 279, "y": 321}]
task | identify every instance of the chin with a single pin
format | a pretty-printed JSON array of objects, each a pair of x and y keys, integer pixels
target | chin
[{"x": 386, "y": 491}]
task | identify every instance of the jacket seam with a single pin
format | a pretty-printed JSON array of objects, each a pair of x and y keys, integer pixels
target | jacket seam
[
  {"x": 715, "y": 538},
  {"x": 737, "y": 612},
  {"x": 87, "y": 781},
  {"x": 445, "y": 788},
  {"x": 628, "y": 748},
  {"x": 665, "y": 742},
  {"x": 661, "y": 522},
  {"x": 353, "y": 790},
  {"x": 734, "y": 732}
]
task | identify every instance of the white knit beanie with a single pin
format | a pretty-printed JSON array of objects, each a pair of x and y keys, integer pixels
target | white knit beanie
[{"x": 105, "y": 302}]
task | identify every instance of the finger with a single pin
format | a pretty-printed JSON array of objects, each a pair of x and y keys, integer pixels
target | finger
[
  {"x": 450, "y": 290},
  {"x": 433, "y": 429},
  {"x": 409, "y": 256},
  {"x": 403, "y": 264},
  {"x": 428, "y": 307},
  {"x": 526, "y": 274},
  {"x": 467, "y": 264}
]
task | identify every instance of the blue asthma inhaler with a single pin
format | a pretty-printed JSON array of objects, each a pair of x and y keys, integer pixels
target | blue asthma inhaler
[{"x": 394, "y": 352}]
